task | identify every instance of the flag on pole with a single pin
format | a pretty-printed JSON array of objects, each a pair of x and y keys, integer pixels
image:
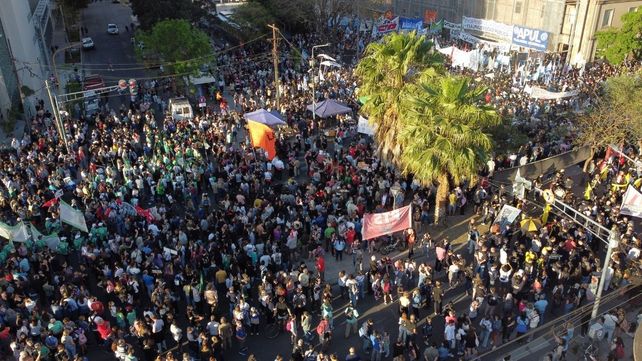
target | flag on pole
[
  {"x": 49, "y": 203},
  {"x": 263, "y": 137},
  {"x": 72, "y": 217},
  {"x": 547, "y": 211},
  {"x": 144, "y": 213}
]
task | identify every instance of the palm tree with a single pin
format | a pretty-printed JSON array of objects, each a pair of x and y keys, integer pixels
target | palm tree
[
  {"x": 386, "y": 70},
  {"x": 443, "y": 134}
]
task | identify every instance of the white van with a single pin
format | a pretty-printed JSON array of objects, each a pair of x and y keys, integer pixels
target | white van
[
  {"x": 91, "y": 103},
  {"x": 180, "y": 109}
]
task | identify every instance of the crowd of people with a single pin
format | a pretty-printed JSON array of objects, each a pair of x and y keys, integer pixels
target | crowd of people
[{"x": 196, "y": 241}]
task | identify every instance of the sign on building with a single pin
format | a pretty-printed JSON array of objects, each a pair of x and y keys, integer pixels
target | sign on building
[{"x": 530, "y": 38}]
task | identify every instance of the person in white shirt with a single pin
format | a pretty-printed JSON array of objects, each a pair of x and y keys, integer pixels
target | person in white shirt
[
  {"x": 449, "y": 334},
  {"x": 177, "y": 332},
  {"x": 610, "y": 322},
  {"x": 157, "y": 332}
]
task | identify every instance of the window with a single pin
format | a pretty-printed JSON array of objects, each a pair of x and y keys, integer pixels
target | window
[
  {"x": 607, "y": 18},
  {"x": 518, "y": 7}
]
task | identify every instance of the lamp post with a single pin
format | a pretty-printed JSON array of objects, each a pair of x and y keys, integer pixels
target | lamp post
[
  {"x": 53, "y": 57},
  {"x": 613, "y": 243},
  {"x": 314, "y": 95}
]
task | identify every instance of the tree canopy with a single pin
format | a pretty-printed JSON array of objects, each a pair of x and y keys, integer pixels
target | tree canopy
[
  {"x": 385, "y": 72},
  {"x": 617, "y": 44},
  {"x": 252, "y": 19},
  {"x": 150, "y": 12},
  {"x": 177, "y": 44},
  {"x": 615, "y": 118},
  {"x": 428, "y": 123}
]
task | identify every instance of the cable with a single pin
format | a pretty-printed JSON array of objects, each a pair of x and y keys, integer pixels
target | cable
[
  {"x": 257, "y": 56},
  {"x": 167, "y": 63}
]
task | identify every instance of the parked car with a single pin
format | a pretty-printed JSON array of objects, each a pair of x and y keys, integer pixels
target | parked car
[
  {"x": 87, "y": 43},
  {"x": 112, "y": 29}
]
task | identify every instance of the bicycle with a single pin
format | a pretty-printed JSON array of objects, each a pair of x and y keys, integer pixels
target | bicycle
[
  {"x": 399, "y": 245},
  {"x": 591, "y": 352}
]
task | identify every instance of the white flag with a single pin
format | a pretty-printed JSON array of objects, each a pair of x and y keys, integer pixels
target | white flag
[
  {"x": 632, "y": 203},
  {"x": 72, "y": 216}
]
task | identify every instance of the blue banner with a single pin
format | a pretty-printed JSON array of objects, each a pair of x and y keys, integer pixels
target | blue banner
[
  {"x": 530, "y": 38},
  {"x": 408, "y": 24}
]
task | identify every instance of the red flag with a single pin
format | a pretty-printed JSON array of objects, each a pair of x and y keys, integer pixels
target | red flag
[
  {"x": 144, "y": 213},
  {"x": 50, "y": 203}
]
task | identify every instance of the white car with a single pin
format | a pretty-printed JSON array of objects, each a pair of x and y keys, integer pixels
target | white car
[
  {"x": 112, "y": 29},
  {"x": 87, "y": 43}
]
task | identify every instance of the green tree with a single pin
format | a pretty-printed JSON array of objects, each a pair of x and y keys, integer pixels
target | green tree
[
  {"x": 444, "y": 134},
  {"x": 386, "y": 72},
  {"x": 615, "y": 118},
  {"x": 180, "y": 47},
  {"x": 616, "y": 45},
  {"x": 252, "y": 19},
  {"x": 75, "y": 5},
  {"x": 150, "y": 12}
]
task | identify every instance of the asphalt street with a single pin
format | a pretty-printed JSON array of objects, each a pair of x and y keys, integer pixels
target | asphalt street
[{"x": 113, "y": 57}]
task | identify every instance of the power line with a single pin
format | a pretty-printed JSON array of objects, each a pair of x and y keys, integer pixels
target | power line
[{"x": 221, "y": 52}]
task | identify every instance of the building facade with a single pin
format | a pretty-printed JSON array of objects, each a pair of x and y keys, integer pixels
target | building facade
[
  {"x": 25, "y": 31},
  {"x": 572, "y": 24}
]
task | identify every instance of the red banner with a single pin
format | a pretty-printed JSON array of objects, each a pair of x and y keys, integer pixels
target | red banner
[{"x": 379, "y": 224}]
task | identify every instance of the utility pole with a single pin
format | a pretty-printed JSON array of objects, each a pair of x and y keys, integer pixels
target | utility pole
[
  {"x": 56, "y": 114},
  {"x": 275, "y": 59}
]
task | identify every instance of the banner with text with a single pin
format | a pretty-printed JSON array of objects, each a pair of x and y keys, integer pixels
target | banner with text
[
  {"x": 386, "y": 26},
  {"x": 364, "y": 127},
  {"x": 540, "y": 93},
  {"x": 530, "y": 38},
  {"x": 507, "y": 216},
  {"x": 408, "y": 24},
  {"x": 503, "y": 31},
  {"x": 380, "y": 224},
  {"x": 451, "y": 26},
  {"x": 632, "y": 203}
]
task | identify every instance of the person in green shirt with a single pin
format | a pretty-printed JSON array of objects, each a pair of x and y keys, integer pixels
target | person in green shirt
[
  {"x": 55, "y": 327},
  {"x": 329, "y": 231},
  {"x": 131, "y": 315}
]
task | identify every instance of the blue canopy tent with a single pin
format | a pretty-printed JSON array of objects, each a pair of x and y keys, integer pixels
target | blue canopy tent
[
  {"x": 328, "y": 108},
  {"x": 264, "y": 117}
]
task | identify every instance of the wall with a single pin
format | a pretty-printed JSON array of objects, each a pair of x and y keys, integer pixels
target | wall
[{"x": 19, "y": 20}]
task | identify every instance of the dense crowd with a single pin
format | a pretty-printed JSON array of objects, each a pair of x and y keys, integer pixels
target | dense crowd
[{"x": 196, "y": 241}]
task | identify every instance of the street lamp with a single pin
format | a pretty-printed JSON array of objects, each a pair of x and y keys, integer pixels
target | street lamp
[
  {"x": 53, "y": 57},
  {"x": 613, "y": 243},
  {"x": 314, "y": 95}
]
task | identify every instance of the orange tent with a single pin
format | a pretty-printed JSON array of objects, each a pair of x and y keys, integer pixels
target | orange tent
[{"x": 262, "y": 136}]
